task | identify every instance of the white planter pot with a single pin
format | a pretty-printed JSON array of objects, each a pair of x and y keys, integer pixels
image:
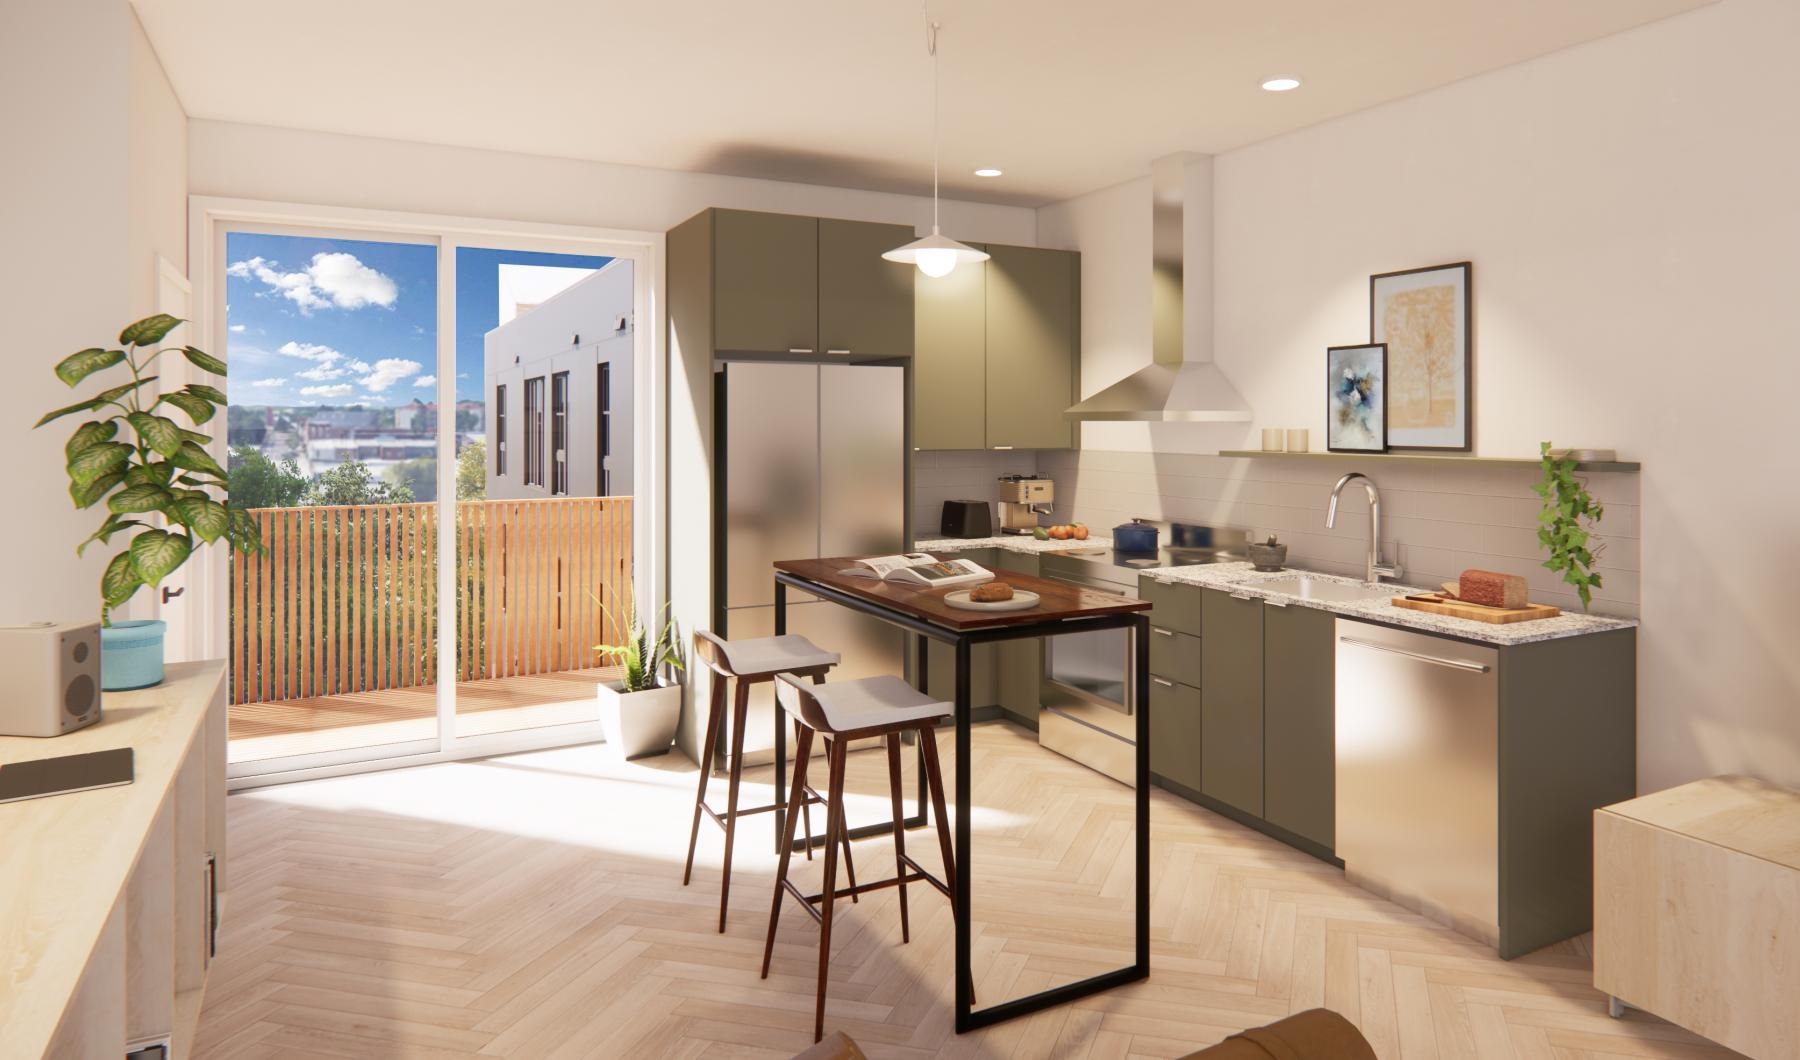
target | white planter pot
[{"x": 640, "y": 723}]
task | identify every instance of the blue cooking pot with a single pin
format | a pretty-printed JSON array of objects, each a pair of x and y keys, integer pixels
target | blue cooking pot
[{"x": 1135, "y": 536}]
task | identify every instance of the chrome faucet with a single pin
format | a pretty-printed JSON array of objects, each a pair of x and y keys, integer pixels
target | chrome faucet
[{"x": 1377, "y": 569}]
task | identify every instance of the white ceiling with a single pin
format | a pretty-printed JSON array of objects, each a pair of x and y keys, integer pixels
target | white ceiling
[{"x": 1065, "y": 95}]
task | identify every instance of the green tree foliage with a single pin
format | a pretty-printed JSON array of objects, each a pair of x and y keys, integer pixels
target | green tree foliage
[
  {"x": 258, "y": 482},
  {"x": 417, "y": 477},
  {"x": 351, "y": 482},
  {"x": 471, "y": 472}
]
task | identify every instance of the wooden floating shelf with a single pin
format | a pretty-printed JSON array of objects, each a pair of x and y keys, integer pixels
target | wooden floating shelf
[{"x": 1629, "y": 467}]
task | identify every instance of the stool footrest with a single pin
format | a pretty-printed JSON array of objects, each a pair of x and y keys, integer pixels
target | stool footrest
[
  {"x": 813, "y": 799},
  {"x": 810, "y": 902}
]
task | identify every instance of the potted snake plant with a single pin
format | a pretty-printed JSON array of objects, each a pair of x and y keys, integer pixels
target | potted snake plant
[
  {"x": 163, "y": 492},
  {"x": 640, "y": 712}
]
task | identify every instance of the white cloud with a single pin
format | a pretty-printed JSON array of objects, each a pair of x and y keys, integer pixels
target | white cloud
[
  {"x": 238, "y": 328},
  {"x": 425, "y": 380},
  {"x": 331, "y": 279},
  {"x": 277, "y": 381},
  {"x": 388, "y": 371},
  {"x": 308, "y": 351},
  {"x": 323, "y": 372},
  {"x": 332, "y": 390}
]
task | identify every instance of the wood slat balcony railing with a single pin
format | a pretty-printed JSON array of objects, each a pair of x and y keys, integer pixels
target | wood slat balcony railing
[{"x": 345, "y": 599}]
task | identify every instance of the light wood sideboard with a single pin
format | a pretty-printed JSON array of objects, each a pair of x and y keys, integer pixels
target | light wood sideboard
[
  {"x": 106, "y": 905},
  {"x": 1697, "y": 910}
]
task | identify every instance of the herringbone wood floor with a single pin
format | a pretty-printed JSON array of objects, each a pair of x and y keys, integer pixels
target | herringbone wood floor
[{"x": 531, "y": 906}]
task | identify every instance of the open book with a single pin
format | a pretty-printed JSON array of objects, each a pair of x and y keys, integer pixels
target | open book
[{"x": 917, "y": 568}]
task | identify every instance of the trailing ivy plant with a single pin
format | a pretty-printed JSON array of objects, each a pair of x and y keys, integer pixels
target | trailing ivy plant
[
  {"x": 157, "y": 479},
  {"x": 1566, "y": 524}
]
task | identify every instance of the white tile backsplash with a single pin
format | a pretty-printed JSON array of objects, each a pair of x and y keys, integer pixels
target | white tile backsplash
[
  {"x": 962, "y": 475},
  {"x": 1441, "y": 520}
]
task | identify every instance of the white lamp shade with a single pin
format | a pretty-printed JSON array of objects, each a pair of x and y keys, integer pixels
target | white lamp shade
[{"x": 935, "y": 255}]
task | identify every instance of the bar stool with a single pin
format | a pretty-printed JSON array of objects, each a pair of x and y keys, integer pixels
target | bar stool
[
  {"x": 841, "y": 713},
  {"x": 748, "y": 662}
]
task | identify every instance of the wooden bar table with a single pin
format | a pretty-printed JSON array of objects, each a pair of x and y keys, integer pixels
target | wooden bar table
[{"x": 1061, "y": 609}]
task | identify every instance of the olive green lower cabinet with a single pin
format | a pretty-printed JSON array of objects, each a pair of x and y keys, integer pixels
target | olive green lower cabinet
[
  {"x": 984, "y": 689},
  {"x": 1299, "y": 722},
  {"x": 1019, "y": 664}
]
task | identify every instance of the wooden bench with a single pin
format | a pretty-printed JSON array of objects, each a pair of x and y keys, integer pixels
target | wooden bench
[{"x": 1697, "y": 910}]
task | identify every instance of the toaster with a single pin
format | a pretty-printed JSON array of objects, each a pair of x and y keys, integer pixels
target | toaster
[{"x": 968, "y": 519}]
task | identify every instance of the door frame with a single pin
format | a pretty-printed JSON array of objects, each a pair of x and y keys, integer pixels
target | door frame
[{"x": 210, "y": 218}]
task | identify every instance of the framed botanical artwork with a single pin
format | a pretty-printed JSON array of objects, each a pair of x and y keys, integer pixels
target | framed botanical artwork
[
  {"x": 1422, "y": 315},
  {"x": 1356, "y": 398}
]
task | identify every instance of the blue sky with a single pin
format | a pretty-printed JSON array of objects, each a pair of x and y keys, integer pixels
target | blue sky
[{"x": 345, "y": 321}]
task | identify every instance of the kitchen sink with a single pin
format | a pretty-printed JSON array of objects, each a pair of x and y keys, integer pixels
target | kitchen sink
[{"x": 1307, "y": 587}]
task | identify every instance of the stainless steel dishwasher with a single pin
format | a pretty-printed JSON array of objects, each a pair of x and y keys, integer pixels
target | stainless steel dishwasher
[{"x": 1418, "y": 815}]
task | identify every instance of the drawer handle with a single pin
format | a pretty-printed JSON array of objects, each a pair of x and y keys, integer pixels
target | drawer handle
[
  {"x": 1162, "y": 632},
  {"x": 799, "y": 349},
  {"x": 1163, "y": 682},
  {"x": 838, "y": 353},
  {"x": 1241, "y": 595},
  {"x": 1435, "y": 660}
]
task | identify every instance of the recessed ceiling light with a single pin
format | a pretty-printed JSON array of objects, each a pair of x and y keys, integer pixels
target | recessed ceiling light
[
  {"x": 1281, "y": 84},
  {"x": 987, "y": 171}
]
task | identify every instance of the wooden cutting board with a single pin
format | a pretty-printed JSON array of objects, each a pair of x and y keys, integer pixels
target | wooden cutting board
[{"x": 1440, "y": 605}]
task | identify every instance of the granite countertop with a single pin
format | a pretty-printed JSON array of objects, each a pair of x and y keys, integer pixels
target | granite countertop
[{"x": 1242, "y": 577}]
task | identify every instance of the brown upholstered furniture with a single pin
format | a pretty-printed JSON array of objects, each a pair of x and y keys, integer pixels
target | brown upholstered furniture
[{"x": 1316, "y": 1034}]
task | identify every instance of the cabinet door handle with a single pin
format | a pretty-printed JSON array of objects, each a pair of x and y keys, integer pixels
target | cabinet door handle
[
  {"x": 1162, "y": 632},
  {"x": 1163, "y": 682},
  {"x": 838, "y": 353},
  {"x": 1000, "y": 447},
  {"x": 1435, "y": 660},
  {"x": 1241, "y": 595},
  {"x": 799, "y": 349}
]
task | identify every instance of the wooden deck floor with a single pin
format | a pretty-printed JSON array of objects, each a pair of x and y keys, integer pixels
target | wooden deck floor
[{"x": 369, "y": 719}]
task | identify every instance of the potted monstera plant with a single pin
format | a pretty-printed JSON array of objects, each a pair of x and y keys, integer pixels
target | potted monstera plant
[
  {"x": 640, "y": 713},
  {"x": 162, "y": 492}
]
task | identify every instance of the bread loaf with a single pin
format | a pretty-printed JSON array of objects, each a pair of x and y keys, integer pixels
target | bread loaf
[
  {"x": 991, "y": 592},
  {"x": 1492, "y": 589}
]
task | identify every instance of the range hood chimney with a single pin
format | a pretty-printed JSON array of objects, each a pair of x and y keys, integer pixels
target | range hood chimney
[{"x": 1177, "y": 386}]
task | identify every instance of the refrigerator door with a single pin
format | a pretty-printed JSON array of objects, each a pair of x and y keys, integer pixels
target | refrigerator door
[
  {"x": 862, "y": 467},
  {"x": 771, "y": 475}
]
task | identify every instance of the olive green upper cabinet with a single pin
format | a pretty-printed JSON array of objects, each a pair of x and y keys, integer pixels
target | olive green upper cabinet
[
  {"x": 1033, "y": 328},
  {"x": 765, "y": 282},
  {"x": 865, "y": 303},
  {"x": 950, "y": 360}
]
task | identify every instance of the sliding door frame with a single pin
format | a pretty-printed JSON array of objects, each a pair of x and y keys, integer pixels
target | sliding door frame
[{"x": 211, "y": 219}]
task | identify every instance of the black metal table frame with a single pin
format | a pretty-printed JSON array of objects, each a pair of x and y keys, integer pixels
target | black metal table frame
[{"x": 962, "y": 641}]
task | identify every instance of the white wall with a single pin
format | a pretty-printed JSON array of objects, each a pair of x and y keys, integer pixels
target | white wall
[
  {"x": 1632, "y": 212},
  {"x": 92, "y": 191},
  {"x": 260, "y": 162}
]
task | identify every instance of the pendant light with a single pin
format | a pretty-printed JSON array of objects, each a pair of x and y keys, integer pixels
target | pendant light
[{"x": 936, "y": 254}]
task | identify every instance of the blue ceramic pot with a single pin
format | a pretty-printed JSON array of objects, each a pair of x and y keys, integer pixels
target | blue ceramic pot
[{"x": 131, "y": 654}]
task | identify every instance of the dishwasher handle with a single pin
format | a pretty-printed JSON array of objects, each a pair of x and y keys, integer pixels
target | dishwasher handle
[
  {"x": 1435, "y": 660},
  {"x": 1090, "y": 586}
]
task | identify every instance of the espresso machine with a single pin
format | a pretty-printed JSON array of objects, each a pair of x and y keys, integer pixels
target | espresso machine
[{"x": 1022, "y": 499}]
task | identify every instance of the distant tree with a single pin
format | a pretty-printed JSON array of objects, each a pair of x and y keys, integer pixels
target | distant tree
[
  {"x": 471, "y": 472},
  {"x": 351, "y": 482},
  {"x": 258, "y": 482},
  {"x": 418, "y": 477}
]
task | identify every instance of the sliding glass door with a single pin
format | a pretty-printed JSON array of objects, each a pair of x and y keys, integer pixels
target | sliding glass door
[{"x": 435, "y": 434}]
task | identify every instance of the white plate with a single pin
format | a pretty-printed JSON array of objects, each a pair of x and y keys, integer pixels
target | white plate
[{"x": 1021, "y": 600}]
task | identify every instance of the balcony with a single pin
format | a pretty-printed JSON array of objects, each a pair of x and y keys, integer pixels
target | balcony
[{"x": 334, "y": 630}]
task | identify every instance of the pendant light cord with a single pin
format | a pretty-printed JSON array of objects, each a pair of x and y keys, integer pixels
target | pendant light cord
[{"x": 931, "y": 32}]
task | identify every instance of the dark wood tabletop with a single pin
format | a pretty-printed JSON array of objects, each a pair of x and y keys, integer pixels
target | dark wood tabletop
[{"x": 1059, "y": 600}]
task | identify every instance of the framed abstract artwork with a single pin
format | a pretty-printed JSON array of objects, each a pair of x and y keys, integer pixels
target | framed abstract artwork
[
  {"x": 1422, "y": 315},
  {"x": 1356, "y": 398}
]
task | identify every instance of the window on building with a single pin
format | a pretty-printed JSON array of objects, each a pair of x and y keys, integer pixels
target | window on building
[
  {"x": 499, "y": 431},
  {"x": 534, "y": 431},
  {"x": 559, "y": 433},
  {"x": 604, "y": 404}
]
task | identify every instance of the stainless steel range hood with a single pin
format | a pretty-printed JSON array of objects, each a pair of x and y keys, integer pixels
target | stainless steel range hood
[{"x": 1181, "y": 384}]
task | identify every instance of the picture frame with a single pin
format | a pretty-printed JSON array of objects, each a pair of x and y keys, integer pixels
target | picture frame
[
  {"x": 1424, "y": 317},
  {"x": 1356, "y": 398}
]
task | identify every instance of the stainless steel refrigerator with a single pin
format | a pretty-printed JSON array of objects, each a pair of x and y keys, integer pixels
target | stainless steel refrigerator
[{"x": 811, "y": 462}]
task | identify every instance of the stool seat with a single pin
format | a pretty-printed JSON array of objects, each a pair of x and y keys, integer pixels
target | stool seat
[
  {"x": 768, "y": 655},
  {"x": 865, "y": 703}
]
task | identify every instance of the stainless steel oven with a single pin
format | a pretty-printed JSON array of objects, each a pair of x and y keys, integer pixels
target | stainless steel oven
[{"x": 1087, "y": 689}]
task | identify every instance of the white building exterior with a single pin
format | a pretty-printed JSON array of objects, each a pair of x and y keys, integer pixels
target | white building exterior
[{"x": 560, "y": 372}]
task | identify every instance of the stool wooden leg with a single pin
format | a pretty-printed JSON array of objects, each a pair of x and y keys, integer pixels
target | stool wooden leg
[
  {"x": 834, "y": 827},
  {"x": 844, "y": 839},
  {"x": 715, "y": 712},
  {"x": 806, "y": 810},
  {"x": 893, "y": 757},
  {"x": 802, "y": 752},
  {"x": 740, "y": 713}
]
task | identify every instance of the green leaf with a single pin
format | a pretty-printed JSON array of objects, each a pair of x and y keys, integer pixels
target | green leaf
[
  {"x": 193, "y": 458},
  {"x": 244, "y": 534},
  {"x": 210, "y": 393},
  {"x": 140, "y": 498},
  {"x": 78, "y": 366},
  {"x": 205, "y": 362},
  {"x": 113, "y": 525},
  {"x": 120, "y": 580},
  {"x": 205, "y": 517},
  {"x": 97, "y": 460},
  {"x": 118, "y": 392},
  {"x": 199, "y": 409},
  {"x": 79, "y": 406},
  {"x": 158, "y": 432},
  {"x": 86, "y": 495},
  {"x": 150, "y": 329},
  {"x": 155, "y": 473},
  {"x": 197, "y": 438},
  {"x": 155, "y": 554},
  {"x": 89, "y": 435}
]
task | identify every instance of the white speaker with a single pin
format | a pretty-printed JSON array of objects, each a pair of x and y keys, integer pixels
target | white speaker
[{"x": 49, "y": 678}]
